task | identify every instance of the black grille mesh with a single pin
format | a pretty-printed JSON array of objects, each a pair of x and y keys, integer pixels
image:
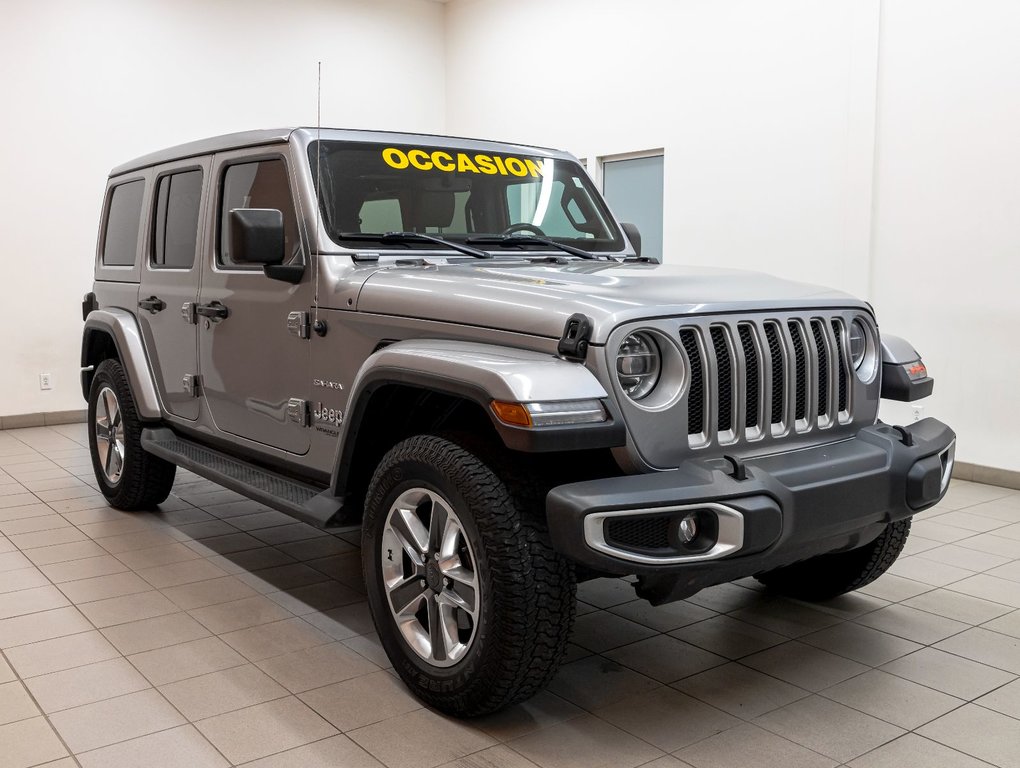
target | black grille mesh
[
  {"x": 751, "y": 364},
  {"x": 776, "y": 352},
  {"x": 722, "y": 361},
  {"x": 800, "y": 410},
  {"x": 823, "y": 367},
  {"x": 696, "y": 395},
  {"x": 638, "y": 532},
  {"x": 837, "y": 329}
]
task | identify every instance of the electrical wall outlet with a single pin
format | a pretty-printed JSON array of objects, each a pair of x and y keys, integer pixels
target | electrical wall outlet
[
  {"x": 45, "y": 381},
  {"x": 918, "y": 411}
]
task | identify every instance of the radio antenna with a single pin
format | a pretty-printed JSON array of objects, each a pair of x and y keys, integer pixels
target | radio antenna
[{"x": 318, "y": 181}]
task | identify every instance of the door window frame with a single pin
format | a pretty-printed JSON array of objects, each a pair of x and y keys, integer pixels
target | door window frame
[{"x": 150, "y": 234}]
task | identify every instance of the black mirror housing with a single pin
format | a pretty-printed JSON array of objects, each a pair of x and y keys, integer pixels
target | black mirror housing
[
  {"x": 256, "y": 236},
  {"x": 631, "y": 231}
]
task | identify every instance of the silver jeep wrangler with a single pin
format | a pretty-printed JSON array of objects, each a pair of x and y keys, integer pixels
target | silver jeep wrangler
[{"x": 453, "y": 343}]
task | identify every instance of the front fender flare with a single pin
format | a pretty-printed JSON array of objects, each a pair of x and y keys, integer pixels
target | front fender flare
[
  {"x": 121, "y": 326},
  {"x": 482, "y": 373}
]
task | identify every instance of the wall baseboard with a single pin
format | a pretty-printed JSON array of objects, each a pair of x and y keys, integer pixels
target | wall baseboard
[
  {"x": 51, "y": 419},
  {"x": 978, "y": 473}
]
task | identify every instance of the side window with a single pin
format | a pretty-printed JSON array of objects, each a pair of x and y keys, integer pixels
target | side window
[
  {"x": 178, "y": 198},
  {"x": 123, "y": 218},
  {"x": 381, "y": 216},
  {"x": 262, "y": 184}
]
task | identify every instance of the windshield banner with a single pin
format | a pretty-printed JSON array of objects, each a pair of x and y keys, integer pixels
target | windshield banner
[{"x": 461, "y": 162}]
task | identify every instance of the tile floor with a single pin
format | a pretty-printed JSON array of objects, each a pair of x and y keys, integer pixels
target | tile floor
[{"x": 219, "y": 632}]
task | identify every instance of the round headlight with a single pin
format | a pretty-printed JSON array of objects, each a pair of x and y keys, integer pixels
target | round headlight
[
  {"x": 638, "y": 363},
  {"x": 858, "y": 343}
]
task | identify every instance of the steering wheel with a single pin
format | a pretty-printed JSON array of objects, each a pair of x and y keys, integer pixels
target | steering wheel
[{"x": 523, "y": 227}]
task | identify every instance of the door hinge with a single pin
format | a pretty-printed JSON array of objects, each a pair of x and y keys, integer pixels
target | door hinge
[
  {"x": 298, "y": 324},
  {"x": 298, "y": 411},
  {"x": 192, "y": 384},
  {"x": 188, "y": 312}
]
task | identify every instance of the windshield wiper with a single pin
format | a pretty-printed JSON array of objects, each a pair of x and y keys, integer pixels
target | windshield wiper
[
  {"x": 511, "y": 240},
  {"x": 412, "y": 237}
]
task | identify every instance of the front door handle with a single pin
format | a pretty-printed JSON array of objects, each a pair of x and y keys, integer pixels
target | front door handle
[
  {"x": 214, "y": 310},
  {"x": 152, "y": 304}
]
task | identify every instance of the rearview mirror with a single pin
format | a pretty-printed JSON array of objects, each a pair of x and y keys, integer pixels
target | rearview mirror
[
  {"x": 631, "y": 231},
  {"x": 256, "y": 236}
]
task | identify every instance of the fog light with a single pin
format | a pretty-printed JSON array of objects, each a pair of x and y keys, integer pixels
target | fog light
[{"x": 688, "y": 528}]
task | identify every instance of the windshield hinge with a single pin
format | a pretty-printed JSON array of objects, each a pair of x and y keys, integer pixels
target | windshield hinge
[
  {"x": 298, "y": 412},
  {"x": 573, "y": 343},
  {"x": 299, "y": 325}
]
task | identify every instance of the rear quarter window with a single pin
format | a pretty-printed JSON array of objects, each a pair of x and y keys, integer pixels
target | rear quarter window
[{"x": 123, "y": 219}]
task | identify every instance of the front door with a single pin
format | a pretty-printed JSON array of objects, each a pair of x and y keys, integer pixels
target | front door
[
  {"x": 255, "y": 369},
  {"x": 169, "y": 283}
]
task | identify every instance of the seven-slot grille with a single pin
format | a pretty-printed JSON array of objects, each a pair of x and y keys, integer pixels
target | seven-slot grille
[{"x": 749, "y": 378}]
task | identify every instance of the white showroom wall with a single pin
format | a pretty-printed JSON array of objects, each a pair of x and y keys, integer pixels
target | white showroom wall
[
  {"x": 864, "y": 144},
  {"x": 88, "y": 85}
]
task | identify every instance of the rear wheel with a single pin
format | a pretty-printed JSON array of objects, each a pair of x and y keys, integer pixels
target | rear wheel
[
  {"x": 472, "y": 604},
  {"x": 129, "y": 478},
  {"x": 828, "y": 576}
]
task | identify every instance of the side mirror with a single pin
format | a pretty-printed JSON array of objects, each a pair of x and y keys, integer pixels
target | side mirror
[
  {"x": 256, "y": 236},
  {"x": 631, "y": 231}
]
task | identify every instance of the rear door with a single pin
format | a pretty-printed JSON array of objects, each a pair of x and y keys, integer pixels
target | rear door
[
  {"x": 169, "y": 282},
  {"x": 254, "y": 366}
]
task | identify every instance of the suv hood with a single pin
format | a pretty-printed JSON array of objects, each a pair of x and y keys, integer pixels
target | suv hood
[{"x": 538, "y": 298}]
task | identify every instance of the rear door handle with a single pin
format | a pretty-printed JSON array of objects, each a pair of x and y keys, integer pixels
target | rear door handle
[
  {"x": 152, "y": 304},
  {"x": 214, "y": 310}
]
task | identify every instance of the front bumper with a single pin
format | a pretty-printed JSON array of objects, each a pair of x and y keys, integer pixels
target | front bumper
[{"x": 787, "y": 507}]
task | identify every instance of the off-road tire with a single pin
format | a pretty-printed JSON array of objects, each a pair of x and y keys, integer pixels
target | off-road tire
[
  {"x": 827, "y": 576},
  {"x": 145, "y": 480},
  {"x": 528, "y": 592}
]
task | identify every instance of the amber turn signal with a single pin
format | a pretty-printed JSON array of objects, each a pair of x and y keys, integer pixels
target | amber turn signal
[{"x": 514, "y": 414}]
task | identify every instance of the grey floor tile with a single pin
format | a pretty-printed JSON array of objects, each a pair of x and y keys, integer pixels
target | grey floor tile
[
  {"x": 540, "y": 711},
  {"x": 804, "y": 666},
  {"x": 785, "y": 618},
  {"x": 665, "y": 658},
  {"x": 895, "y": 588},
  {"x": 829, "y": 728},
  {"x": 191, "y": 659},
  {"x": 365, "y": 700},
  {"x": 61, "y": 653},
  {"x": 1005, "y": 700},
  {"x": 728, "y": 637},
  {"x": 315, "y": 667},
  {"x": 33, "y": 600},
  {"x": 666, "y": 718},
  {"x": 107, "y": 722},
  {"x": 157, "y": 632},
  {"x": 121, "y": 610},
  {"x": 583, "y": 742},
  {"x": 946, "y": 672},
  {"x": 87, "y": 568},
  {"x": 501, "y": 756},
  {"x": 34, "y": 627},
  {"x": 986, "y": 647},
  {"x": 86, "y": 684},
  {"x": 421, "y": 737},
  {"x": 219, "y": 692},
  {"x": 1008, "y": 624},
  {"x": 595, "y": 682},
  {"x": 979, "y": 732},
  {"x": 957, "y": 606},
  {"x": 926, "y": 571},
  {"x": 239, "y": 614},
  {"x": 29, "y": 742},
  {"x": 605, "y": 593},
  {"x": 724, "y": 598},
  {"x": 182, "y": 747},
  {"x": 749, "y": 745},
  {"x": 663, "y": 618},
  {"x": 990, "y": 588},
  {"x": 913, "y": 751},
  {"x": 893, "y": 699},
  {"x": 333, "y": 752},
  {"x": 103, "y": 587},
  {"x": 16, "y": 703},
  {"x": 862, "y": 644},
  {"x": 740, "y": 691},
  {"x": 912, "y": 624},
  {"x": 212, "y": 592}
]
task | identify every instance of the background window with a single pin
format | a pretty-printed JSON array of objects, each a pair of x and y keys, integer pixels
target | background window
[
  {"x": 178, "y": 198},
  {"x": 633, "y": 189},
  {"x": 120, "y": 241},
  {"x": 262, "y": 184}
]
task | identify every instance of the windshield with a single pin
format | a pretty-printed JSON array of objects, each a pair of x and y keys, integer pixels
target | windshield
[{"x": 457, "y": 194}]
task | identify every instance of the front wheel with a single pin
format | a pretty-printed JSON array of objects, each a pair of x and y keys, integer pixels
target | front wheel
[
  {"x": 828, "y": 576},
  {"x": 472, "y": 604}
]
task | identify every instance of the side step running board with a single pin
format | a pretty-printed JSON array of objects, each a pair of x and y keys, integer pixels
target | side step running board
[{"x": 305, "y": 502}]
